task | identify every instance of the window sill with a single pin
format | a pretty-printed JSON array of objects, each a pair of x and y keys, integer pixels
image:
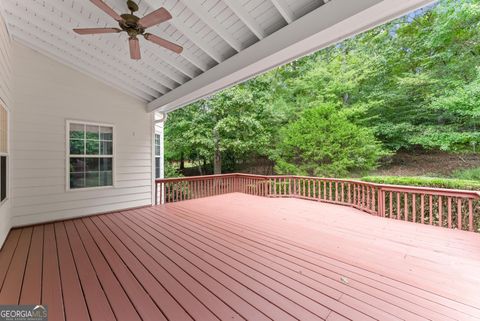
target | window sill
[{"x": 87, "y": 189}]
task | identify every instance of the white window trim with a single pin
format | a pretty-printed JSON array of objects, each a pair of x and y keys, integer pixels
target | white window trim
[
  {"x": 67, "y": 156},
  {"x": 7, "y": 154}
]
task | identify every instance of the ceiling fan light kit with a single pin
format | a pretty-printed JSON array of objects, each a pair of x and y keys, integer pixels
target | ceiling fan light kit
[{"x": 134, "y": 26}]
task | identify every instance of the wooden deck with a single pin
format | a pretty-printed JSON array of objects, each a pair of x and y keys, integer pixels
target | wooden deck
[{"x": 237, "y": 256}]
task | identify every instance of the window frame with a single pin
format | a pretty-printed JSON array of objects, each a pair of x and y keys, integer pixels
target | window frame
[
  {"x": 159, "y": 156},
  {"x": 6, "y": 154},
  {"x": 68, "y": 156}
]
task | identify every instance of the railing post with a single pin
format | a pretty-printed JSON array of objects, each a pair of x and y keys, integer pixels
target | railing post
[{"x": 381, "y": 202}]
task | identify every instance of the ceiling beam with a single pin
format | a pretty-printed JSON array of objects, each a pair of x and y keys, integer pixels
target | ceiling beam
[
  {"x": 190, "y": 34},
  {"x": 33, "y": 24},
  {"x": 188, "y": 54},
  {"x": 284, "y": 10},
  {"x": 164, "y": 76},
  {"x": 246, "y": 18},
  {"x": 51, "y": 44},
  {"x": 197, "y": 41},
  {"x": 316, "y": 30},
  {"x": 193, "y": 61},
  {"x": 211, "y": 21}
]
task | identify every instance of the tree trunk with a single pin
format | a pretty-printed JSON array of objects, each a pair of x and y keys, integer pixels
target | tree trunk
[
  {"x": 217, "y": 161},
  {"x": 182, "y": 161}
]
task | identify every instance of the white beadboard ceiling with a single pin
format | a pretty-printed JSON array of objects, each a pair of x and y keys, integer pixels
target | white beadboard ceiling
[{"x": 221, "y": 38}]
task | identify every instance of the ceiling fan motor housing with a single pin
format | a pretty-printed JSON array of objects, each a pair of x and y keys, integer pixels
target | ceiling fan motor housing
[{"x": 130, "y": 25}]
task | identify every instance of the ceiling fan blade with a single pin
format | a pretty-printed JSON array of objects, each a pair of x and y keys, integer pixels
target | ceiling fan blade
[
  {"x": 94, "y": 31},
  {"x": 164, "y": 43},
  {"x": 134, "y": 48},
  {"x": 107, "y": 9},
  {"x": 155, "y": 17}
]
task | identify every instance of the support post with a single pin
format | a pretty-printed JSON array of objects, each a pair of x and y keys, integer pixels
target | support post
[{"x": 159, "y": 155}]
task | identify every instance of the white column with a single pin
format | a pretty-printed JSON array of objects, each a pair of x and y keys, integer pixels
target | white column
[{"x": 158, "y": 127}]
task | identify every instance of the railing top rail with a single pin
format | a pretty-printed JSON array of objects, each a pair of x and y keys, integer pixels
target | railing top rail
[
  {"x": 192, "y": 178},
  {"x": 383, "y": 187}
]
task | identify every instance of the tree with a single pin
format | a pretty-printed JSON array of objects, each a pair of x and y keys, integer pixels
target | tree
[
  {"x": 412, "y": 82},
  {"x": 323, "y": 142},
  {"x": 228, "y": 126}
]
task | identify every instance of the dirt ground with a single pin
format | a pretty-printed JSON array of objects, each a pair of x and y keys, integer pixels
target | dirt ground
[{"x": 427, "y": 164}]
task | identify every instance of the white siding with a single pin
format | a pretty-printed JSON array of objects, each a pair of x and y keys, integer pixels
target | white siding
[
  {"x": 6, "y": 98},
  {"x": 47, "y": 94}
]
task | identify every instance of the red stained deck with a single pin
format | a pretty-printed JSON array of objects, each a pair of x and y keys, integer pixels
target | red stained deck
[{"x": 235, "y": 257}]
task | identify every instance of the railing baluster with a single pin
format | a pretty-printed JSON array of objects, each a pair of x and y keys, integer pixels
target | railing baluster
[
  {"x": 349, "y": 196},
  {"x": 405, "y": 210},
  {"x": 470, "y": 215},
  {"x": 431, "y": 209},
  {"x": 414, "y": 208},
  {"x": 440, "y": 211},
  {"x": 398, "y": 206},
  {"x": 373, "y": 201},
  {"x": 391, "y": 205},
  {"x": 422, "y": 208},
  {"x": 369, "y": 197},
  {"x": 449, "y": 209},
  {"x": 459, "y": 214}
]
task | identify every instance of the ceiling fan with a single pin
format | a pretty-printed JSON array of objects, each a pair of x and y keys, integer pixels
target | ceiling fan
[{"x": 134, "y": 27}]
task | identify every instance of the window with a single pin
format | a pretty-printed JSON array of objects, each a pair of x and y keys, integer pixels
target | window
[
  {"x": 158, "y": 162},
  {"x": 3, "y": 153},
  {"x": 90, "y": 155}
]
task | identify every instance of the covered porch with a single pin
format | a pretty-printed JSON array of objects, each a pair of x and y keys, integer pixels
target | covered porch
[
  {"x": 238, "y": 256},
  {"x": 90, "y": 228}
]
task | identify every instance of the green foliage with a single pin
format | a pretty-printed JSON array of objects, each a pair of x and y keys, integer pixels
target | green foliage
[
  {"x": 171, "y": 171},
  {"x": 425, "y": 181},
  {"x": 468, "y": 174},
  {"x": 323, "y": 142},
  {"x": 413, "y": 83},
  {"x": 232, "y": 117}
]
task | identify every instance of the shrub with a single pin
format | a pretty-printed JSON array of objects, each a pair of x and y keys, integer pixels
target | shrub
[
  {"x": 470, "y": 174},
  {"x": 323, "y": 142},
  {"x": 425, "y": 182}
]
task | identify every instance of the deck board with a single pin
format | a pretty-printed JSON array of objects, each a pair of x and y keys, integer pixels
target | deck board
[
  {"x": 12, "y": 286},
  {"x": 7, "y": 253},
  {"x": 32, "y": 282},
  {"x": 51, "y": 283},
  {"x": 241, "y": 257},
  {"x": 317, "y": 271},
  {"x": 73, "y": 296},
  {"x": 98, "y": 305},
  {"x": 118, "y": 299}
]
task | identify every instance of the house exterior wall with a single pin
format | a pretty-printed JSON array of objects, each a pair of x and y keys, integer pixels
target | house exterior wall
[
  {"x": 6, "y": 99},
  {"x": 47, "y": 94}
]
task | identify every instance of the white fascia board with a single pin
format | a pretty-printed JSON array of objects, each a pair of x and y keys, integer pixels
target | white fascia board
[{"x": 327, "y": 25}]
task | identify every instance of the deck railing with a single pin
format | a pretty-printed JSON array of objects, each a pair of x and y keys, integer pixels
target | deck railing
[{"x": 441, "y": 207}]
